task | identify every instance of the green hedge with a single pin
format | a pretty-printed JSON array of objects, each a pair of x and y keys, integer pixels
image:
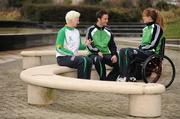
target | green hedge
[
  {"x": 52, "y": 13},
  {"x": 130, "y": 15}
]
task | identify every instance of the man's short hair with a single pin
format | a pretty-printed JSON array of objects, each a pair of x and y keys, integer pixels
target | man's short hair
[
  {"x": 71, "y": 15},
  {"x": 100, "y": 13}
]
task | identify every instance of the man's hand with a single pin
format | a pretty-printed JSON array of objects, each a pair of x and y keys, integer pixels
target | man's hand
[
  {"x": 87, "y": 42},
  {"x": 100, "y": 54},
  {"x": 114, "y": 59},
  {"x": 81, "y": 53}
]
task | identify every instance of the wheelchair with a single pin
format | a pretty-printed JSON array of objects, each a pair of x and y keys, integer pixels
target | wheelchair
[{"x": 156, "y": 68}]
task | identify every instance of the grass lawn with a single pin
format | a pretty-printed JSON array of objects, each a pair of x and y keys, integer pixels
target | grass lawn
[{"x": 172, "y": 30}]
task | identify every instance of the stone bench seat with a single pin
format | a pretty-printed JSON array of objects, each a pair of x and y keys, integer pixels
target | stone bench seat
[
  {"x": 144, "y": 99},
  {"x": 34, "y": 58}
]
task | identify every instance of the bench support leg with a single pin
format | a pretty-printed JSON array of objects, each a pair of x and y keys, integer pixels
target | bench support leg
[
  {"x": 145, "y": 105},
  {"x": 40, "y": 95},
  {"x": 29, "y": 62}
]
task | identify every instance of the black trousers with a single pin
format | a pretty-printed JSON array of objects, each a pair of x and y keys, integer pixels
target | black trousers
[
  {"x": 83, "y": 64},
  {"x": 100, "y": 62},
  {"x": 129, "y": 56}
]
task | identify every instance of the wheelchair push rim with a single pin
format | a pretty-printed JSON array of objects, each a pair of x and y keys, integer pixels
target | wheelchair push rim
[{"x": 158, "y": 70}]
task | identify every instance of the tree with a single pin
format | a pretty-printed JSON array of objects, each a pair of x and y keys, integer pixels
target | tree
[
  {"x": 3, "y": 4},
  {"x": 92, "y": 2},
  {"x": 162, "y": 5},
  {"x": 142, "y": 4},
  {"x": 38, "y": 1},
  {"x": 127, "y": 4},
  {"x": 15, "y": 3}
]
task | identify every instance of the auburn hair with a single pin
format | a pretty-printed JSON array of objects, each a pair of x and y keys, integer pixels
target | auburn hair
[{"x": 155, "y": 15}]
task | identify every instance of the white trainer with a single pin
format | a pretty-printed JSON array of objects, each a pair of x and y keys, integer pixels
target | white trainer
[
  {"x": 120, "y": 79},
  {"x": 132, "y": 79}
]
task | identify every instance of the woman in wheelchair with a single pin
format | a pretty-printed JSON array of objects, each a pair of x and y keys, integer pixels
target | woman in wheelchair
[{"x": 150, "y": 44}]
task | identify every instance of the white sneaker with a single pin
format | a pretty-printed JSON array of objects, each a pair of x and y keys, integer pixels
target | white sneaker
[
  {"x": 120, "y": 79},
  {"x": 132, "y": 79}
]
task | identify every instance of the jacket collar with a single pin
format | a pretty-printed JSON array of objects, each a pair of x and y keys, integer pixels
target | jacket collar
[
  {"x": 99, "y": 28},
  {"x": 70, "y": 28},
  {"x": 150, "y": 23}
]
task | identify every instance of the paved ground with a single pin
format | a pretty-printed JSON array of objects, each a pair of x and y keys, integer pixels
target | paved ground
[{"x": 73, "y": 104}]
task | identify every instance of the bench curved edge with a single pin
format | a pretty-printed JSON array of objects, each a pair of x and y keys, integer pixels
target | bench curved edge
[
  {"x": 47, "y": 53},
  {"x": 45, "y": 76},
  {"x": 38, "y": 53}
]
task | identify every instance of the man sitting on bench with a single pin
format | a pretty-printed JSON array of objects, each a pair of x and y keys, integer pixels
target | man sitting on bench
[{"x": 102, "y": 48}]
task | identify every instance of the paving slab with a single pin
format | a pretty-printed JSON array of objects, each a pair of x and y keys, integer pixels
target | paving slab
[{"x": 74, "y": 104}]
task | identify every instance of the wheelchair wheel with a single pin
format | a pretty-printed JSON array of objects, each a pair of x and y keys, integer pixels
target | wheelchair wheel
[{"x": 158, "y": 70}]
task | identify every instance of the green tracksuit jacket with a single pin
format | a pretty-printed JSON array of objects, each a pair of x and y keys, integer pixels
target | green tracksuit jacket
[
  {"x": 68, "y": 41},
  {"x": 151, "y": 39},
  {"x": 103, "y": 40}
]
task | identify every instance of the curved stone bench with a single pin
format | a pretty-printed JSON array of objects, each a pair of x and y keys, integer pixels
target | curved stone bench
[
  {"x": 33, "y": 58},
  {"x": 144, "y": 99}
]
